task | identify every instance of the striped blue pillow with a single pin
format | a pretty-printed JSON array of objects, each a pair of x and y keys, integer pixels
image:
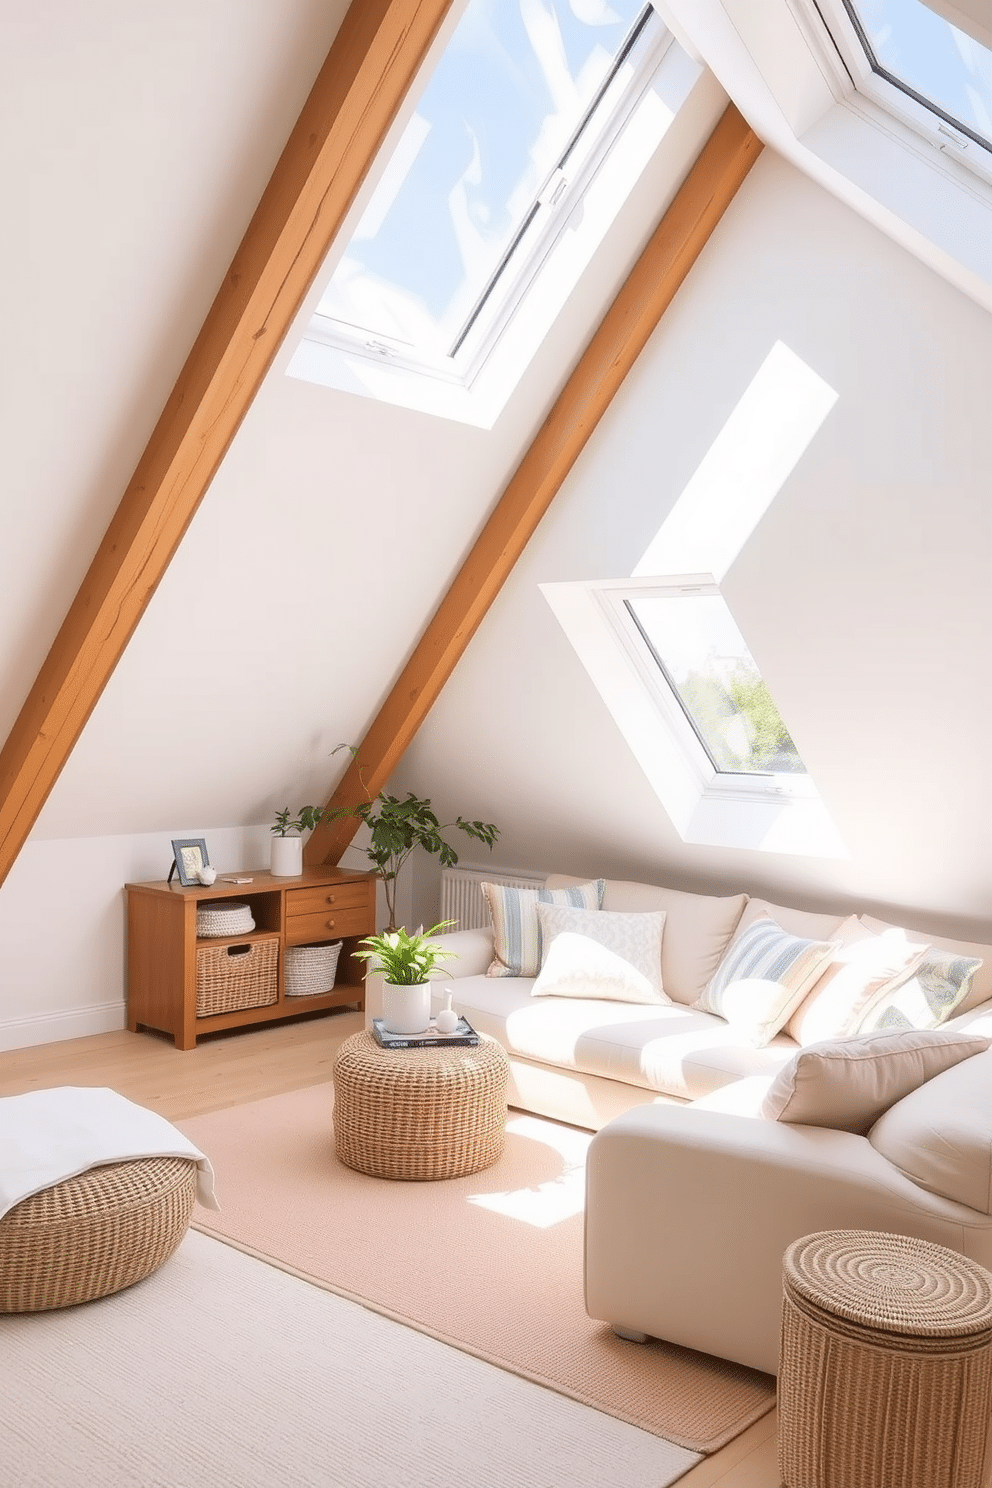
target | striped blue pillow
[
  {"x": 763, "y": 977},
  {"x": 517, "y": 934}
]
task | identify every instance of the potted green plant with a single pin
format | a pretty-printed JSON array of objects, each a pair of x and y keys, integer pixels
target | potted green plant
[
  {"x": 287, "y": 842},
  {"x": 399, "y": 824},
  {"x": 406, "y": 962}
]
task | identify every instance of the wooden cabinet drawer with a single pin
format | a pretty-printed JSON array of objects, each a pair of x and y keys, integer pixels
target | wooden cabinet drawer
[
  {"x": 328, "y": 924},
  {"x": 329, "y": 897}
]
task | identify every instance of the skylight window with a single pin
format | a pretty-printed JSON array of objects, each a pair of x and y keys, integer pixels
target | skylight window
[
  {"x": 701, "y": 654},
  {"x": 930, "y": 60},
  {"x": 541, "y": 121},
  {"x": 918, "y": 65},
  {"x": 501, "y": 133}
]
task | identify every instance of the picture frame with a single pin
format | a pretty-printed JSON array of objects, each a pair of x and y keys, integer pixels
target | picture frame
[{"x": 190, "y": 856}]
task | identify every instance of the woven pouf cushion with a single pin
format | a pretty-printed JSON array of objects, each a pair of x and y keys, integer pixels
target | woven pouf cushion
[
  {"x": 419, "y": 1113},
  {"x": 94, "y": 1234},
  {"x": 885, "y": 1376}
]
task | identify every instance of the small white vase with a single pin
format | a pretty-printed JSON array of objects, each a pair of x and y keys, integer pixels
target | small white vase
[
  {"x": 287, "y": 857},
  {"x": 406, "y": 1009}
]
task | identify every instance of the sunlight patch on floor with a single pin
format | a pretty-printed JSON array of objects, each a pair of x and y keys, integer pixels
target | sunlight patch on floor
[{"x": 556, "y": 1200}]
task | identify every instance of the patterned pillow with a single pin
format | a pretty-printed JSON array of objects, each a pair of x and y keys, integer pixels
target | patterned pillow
[
  {"x": 763, "y": 977},
  {"x": 925, "y": 999},
  {"x": 616, "y": 956},
  {"x": 517, "y": 949}
]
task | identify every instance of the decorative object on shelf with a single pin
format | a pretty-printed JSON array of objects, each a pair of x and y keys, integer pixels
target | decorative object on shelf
[
  {"x": 310, "y": 969},
  {"x": 406, "y": 962},
  {"x": 190, "y": 854},
  {"x": 287, "y": 843},
  {"x": 226, "y": 917},
  {"x": 398, "y": 826},
  {"x": 447, "y": 1019},
  {"x": 207, "y": 875}
]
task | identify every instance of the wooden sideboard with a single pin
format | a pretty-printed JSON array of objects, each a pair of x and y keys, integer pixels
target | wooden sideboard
[{"x": 318, "y": 906}]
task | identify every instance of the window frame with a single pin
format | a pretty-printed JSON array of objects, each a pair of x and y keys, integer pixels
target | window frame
[{"x": 508, "y": 292}]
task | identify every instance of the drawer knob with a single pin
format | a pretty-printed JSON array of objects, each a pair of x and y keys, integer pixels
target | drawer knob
[
  {"x": 330, "y": 898},
  {"x": 330, "y": 924}
]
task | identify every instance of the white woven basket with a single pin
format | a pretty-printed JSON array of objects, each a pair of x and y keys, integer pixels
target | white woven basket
[
  {"x": 311, "y": 969},
  {"x": 230, "y": 917}
]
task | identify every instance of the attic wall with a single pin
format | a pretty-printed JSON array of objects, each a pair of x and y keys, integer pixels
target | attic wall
[{"x": 863, "y": 593}]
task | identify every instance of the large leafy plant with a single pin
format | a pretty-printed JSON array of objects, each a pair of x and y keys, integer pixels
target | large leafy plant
[
  {"x": 405, "y": 959},
  {"x": 399, "y": 824}
]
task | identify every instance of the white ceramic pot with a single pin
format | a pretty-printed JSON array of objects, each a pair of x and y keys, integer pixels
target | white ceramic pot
[
  {"x": 406, "y": 1009},
  {"x": 287, "y": 857}
]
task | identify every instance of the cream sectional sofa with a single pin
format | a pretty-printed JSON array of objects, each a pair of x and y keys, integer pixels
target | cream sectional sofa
[{"x": 585, "y": 1062}]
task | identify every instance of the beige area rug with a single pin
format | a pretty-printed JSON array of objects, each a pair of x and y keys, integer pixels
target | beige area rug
[
  {"x": 223, "y": 1372},
  {"x": 491, "y": 1263}
]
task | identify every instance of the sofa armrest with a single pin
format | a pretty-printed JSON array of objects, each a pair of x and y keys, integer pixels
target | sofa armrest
[
  {"x": 689, "y": 1211},
  {"x": 473, "y": 948}
]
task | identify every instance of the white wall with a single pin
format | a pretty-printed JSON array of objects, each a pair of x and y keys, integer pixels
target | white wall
[{"x": 864, "y": 593}]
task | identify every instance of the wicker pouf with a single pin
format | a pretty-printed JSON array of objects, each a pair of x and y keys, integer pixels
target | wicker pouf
[
  {"x": 419, "y": 1113},
  {"x": 886, "y": 1367},
  {"x": 94, "y": 1234}
]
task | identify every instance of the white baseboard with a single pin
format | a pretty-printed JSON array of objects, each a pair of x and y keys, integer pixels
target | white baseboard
[{"x": 54, "y": 1028}]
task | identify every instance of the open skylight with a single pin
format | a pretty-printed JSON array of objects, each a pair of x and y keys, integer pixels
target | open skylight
[
  {"x": 500, "y": 133},
  {"x": 920, "y": 67},
  {"x": 537, "y": 122}
]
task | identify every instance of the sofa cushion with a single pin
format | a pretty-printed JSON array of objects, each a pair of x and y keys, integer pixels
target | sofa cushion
[
  {"x": 600, "y": 954},
  {"x": 516, "y": 932},
  {"x": 847, "y": 1085},
  {"x": 936, "y": 987},
  {"x": 980, "y": 989},
  {"x": 940, "y": 1135},
  {"x": 698, "y": 929},
  {"x": 860, "y": 969},
  {"x": 669, "y": 1049},
  {"x": 764, "y": 975}
]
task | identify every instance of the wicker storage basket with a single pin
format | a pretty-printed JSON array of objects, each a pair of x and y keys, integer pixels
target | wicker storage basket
[
  {"x": 232, "y": 977},
  {"x": 94, "y": 1234},
  {"x": 229, "y": 917},
  {"x": 885, "y": 1377},
  {"x": 311, "y": 969}
]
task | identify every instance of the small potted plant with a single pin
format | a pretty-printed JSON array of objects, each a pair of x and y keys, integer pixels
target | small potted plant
[
  {"x": 287, "y": 843},
  {"x": 406, "y": 962}
]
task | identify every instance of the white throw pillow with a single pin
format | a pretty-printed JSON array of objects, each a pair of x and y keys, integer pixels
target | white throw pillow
[
  {"x": 848, "y": 1085},
  {"x": 762, "y": 979},
  {"x": 862, "y": 966},
  {"x": 937, "y": 985},
  {"x": 516, "y": 932},
  {"x": 612, "y": 956}
]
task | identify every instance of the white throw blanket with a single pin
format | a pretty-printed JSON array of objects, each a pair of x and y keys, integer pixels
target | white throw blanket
[{"x": 47, "y": 1136}]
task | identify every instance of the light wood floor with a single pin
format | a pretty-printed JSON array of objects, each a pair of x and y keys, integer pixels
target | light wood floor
[{"x": 230, "y": 1069}]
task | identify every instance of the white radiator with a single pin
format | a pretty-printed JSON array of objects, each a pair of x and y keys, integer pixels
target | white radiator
[{"x": 463, "y": 900}]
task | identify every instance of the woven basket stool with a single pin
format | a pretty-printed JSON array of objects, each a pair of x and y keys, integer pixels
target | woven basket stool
[
  {"x": 94, "y": 1234},
  {"x": 885, "y": 1376},
  {"x": 419, "y": 1113}
]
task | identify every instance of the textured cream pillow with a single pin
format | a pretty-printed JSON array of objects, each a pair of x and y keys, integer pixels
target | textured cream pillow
[
  {"x": 611, "y": 956},
  {"x": 862, "y": 965},
  {"x": 516, "y": 932},
  {"x": 763, "y": 977},
  {"x": 847, "y": 1085}
]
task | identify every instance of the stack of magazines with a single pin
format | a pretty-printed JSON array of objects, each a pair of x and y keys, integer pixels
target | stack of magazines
[{"x": 431, "y": 1038}]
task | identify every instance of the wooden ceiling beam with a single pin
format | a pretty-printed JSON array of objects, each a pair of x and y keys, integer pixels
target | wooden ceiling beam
[
  {"x": 375, "y": 57},
  {"x": 653, "y": 282}
]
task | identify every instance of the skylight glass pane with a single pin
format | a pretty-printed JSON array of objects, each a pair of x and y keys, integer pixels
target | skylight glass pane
[
  {"x": 504, "y": 100},
  {"x": 928, "y": 57},
  {"x": 702, "y": 654}
]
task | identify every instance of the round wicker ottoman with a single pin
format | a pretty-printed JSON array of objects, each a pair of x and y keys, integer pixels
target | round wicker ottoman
[
  {"x": 886, "y": 1367},
  {"x": 419, "y": 1113},
  {"x": 94, "y": 1234}
]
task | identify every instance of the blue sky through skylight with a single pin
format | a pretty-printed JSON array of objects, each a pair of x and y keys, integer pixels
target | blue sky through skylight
[
  {"x": 504, "y": 99},
  {"x": 933, "y": 58}
]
